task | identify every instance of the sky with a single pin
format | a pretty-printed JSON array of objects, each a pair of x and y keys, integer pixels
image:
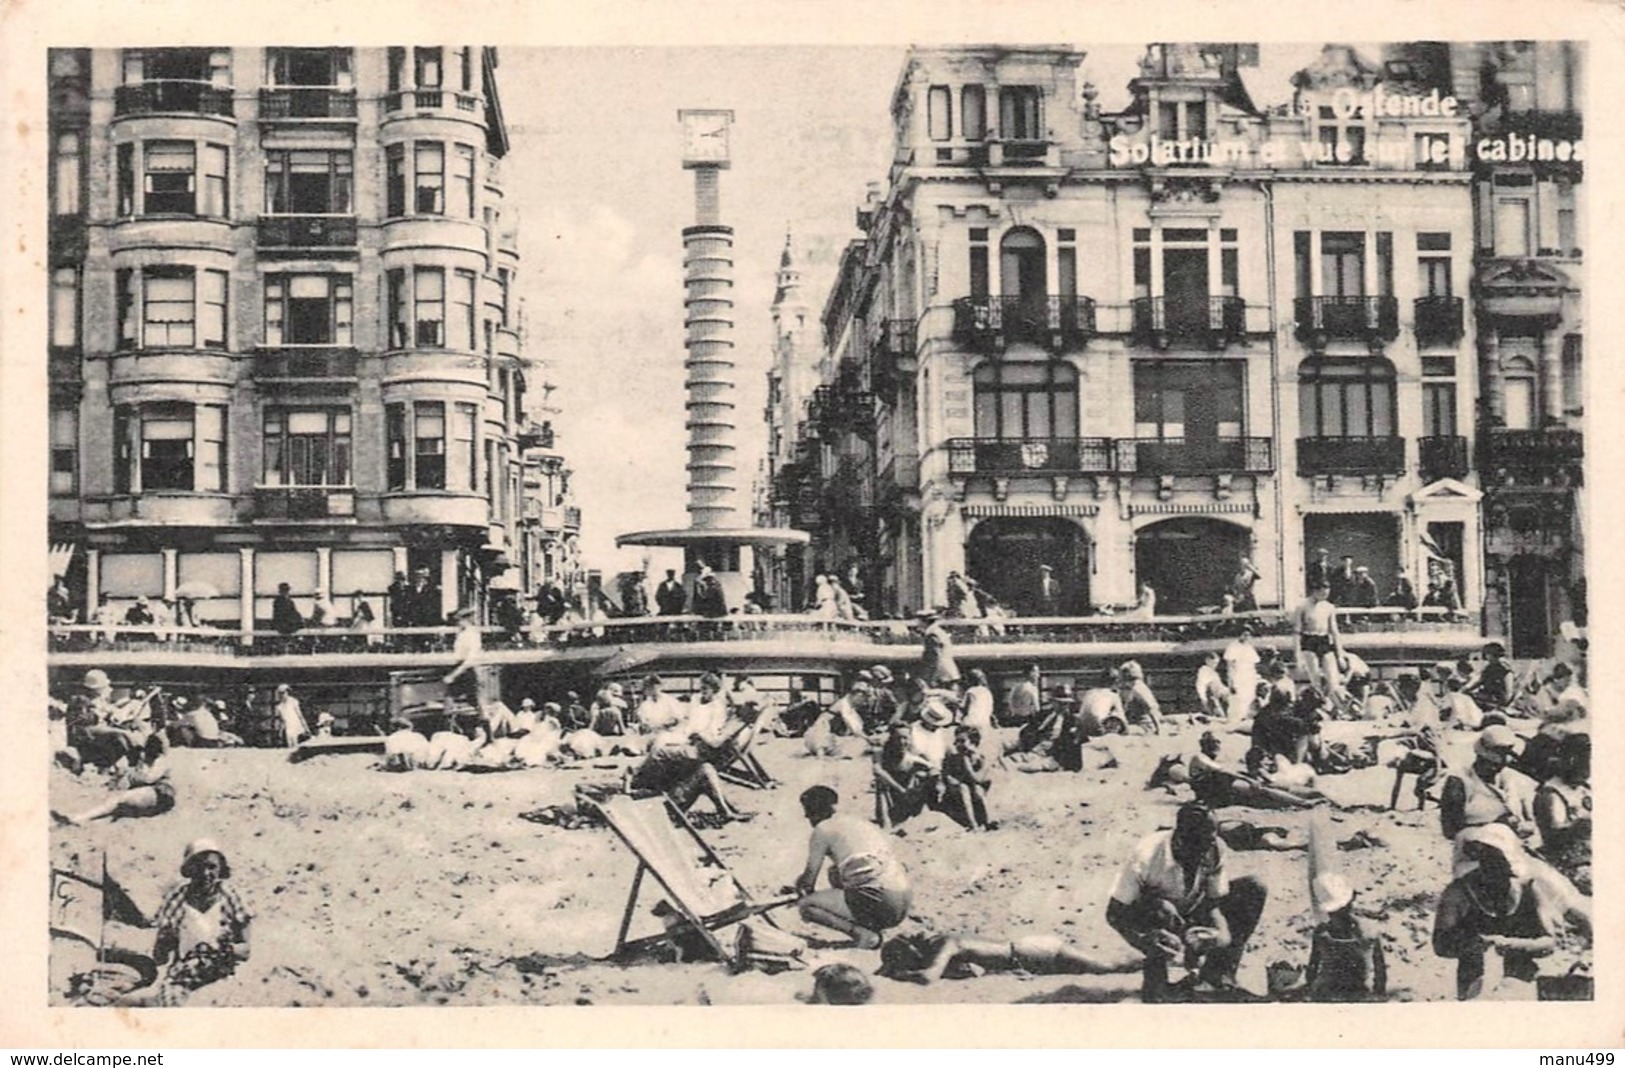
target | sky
[{"x": 595, "y": 174}]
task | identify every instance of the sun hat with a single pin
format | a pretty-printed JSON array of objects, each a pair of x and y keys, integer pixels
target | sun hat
[
  {"x": 882, "y": 674},
  {"x": 1132, "y": 669},
  {"x": 199, "y": 846},
  {"x": 1332, "y": 892},
  {"x": 936, "y": 714},
  {"x": 467, "y": 611},
  {"x": 96, "y": 679},
  {"x": 529, "y": 702},
  {"x": 1494, "y": 740},
  {"x": 1497, "y": 836}
]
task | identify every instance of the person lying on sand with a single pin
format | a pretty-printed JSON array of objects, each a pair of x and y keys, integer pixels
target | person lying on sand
[
  {"x": 147, "y": 792},
  {"x": 869, "y": 887},
  {"x": 924, "y": 957},
  {"x": 840, "y": 984},
  {"x": 1218, "y": 787}
]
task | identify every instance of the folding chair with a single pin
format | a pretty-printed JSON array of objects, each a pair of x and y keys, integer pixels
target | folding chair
[
  {"x": 743, "y": 769},
  {"x": 699, "y": 887}
]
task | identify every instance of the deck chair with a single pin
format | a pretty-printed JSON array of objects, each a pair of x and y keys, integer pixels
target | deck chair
[
  {"x": 743, "y": 769},
  {"x": 699, "y": 887}
]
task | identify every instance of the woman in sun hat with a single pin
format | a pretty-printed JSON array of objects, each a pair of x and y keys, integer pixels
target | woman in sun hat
[
  {"x": 202, "y": 928},
  {"x": 1487, "y": 792},
  {"x": 1346, "y": 961}
]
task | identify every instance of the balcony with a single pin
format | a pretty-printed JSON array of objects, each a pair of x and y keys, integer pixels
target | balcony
[
  {"x": 1438, "y": 320},
  {"x": 1351, "y": 456},
  {"x": 307, "y": 231},
  {"x": 892, "y": 352},
  {"x": 422, "y": 99},
  {"x": 965, "y": 154},
  {"x": 304, "y": 502},
  {"x": 1533, "y": 457},
  {"x": 1185, "y": 456},
  {"x": 307, "y": 102},
  {"x": 1372, "y": 320},
  {"x": 306, "y": 363},
  {"x": 1030, "y": 456},
  {"x": 572, "y": 518},
  {"x": 988, "y": 324},
  {"x": 1166, "y": 322},
  {"x": 1443, "y": 457},
  {"x": 172, "y": 97},
  {"x": 536, "y": 436},
  {"x": 1019, "y": 152}
]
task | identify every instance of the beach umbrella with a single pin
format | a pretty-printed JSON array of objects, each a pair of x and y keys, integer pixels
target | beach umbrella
[{"x": 196, "y": 590}]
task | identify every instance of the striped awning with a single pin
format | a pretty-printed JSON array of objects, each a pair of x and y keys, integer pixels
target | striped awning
[
  {"x": 990, "y": 511},
  {"x": 1208, "y": 508}
]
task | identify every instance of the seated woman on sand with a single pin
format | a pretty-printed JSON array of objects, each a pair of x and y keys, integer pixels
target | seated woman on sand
[
  {"x": 147, "y": 790},
  {"x": 202, "y": 929},
  {"x": 965, "y": 781}
]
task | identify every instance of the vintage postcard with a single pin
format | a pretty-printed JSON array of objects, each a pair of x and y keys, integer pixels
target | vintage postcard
[{"x": 654, "y": 519}]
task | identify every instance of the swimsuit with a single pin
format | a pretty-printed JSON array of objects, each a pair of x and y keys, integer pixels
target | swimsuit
[{"x": 876, "y": 890}]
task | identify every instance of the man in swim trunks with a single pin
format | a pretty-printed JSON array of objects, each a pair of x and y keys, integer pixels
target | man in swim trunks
[
  {"x": 1320, "y": 647},
  {"x": 869, "y": 887}
]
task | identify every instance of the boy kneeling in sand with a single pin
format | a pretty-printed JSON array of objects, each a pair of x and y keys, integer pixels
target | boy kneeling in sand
[{"x": 869, "y": 887}]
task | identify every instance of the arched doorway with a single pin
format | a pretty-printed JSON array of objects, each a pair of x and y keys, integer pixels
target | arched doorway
[
  {"x": 1009, "y": 556},
  {"x": 1189, "y": 562}
]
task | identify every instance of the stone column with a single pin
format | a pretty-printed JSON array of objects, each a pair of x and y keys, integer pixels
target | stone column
[
  {"x": 171, "y": 568},
  {"x": 1551, "y": 377},
  {"x": 1494, "y": 392},
  {"x": 93, "y": 582},
  {"x": 448, "y": 582},
  {"x": 245, "y": 595}
]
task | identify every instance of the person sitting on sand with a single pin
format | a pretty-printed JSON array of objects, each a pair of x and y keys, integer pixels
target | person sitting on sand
[
  {"x": 674, "y": 766},
  {"x": 1140, "y": 705},
  {"x": 902, "y": 786},
  {"x": 1346, "y": 959},
  {"x": 1488, "y": 791},
  {"x": 147, "y": 790},
  {"x": 965, "y": 781},
  {"x": 1212, "y": 695},
  {"x": 925, "y": 957},
  {"x": 1563, "y": 811},
  {"x": 657, "y": 710},
  {"x": 869, "y": 886},
  {"x": 1498, "y": 904},
  {"x": 849, "y": 711},
  {"x": 202, "y": 929},
  {"x": 1175, "y": 902},
  {"x": 405, "y": 748},
  {"x": 608, "y": 716},
  {"x": 1100, "y": 709}
]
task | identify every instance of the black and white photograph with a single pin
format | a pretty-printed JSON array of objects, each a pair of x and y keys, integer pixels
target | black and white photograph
[{"x": 911, "y": 524}]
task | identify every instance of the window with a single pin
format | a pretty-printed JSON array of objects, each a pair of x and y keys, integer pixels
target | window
[
  {"x": 395, "y": 434},
  {"x": 309, "y": 182},
  {"x": 309, "y": 309},
  {"x": 462, "y": 178},
  {"x": 465, "y": 62},
  {"x": 1342, "y": 141},
  {"x": 460, "y": 331},
  {"x": 1573, "y": 376},
  {"x": 66, "y": 175},
  {"x": 1342, "y": 264},
  {"x": 177, "y": 178},
  {"x": 465, "y": 450},
  {"x": 979, "y": 281},
  {"x": 973, "y": 113},
  {"x": 307, "y": 447},
  {"x": 1521, "y": 393},
  {"x": 1353, "y": 399},
  {"x": 429, "y": 166},
  {"x": 429, "y": 307},
  {"x": 428, "y": 67},
  {"x": 318, "y": 67},
  {"x": 429, "y": 444},
  {"x": 1433, "y": 264},
  {"x": 395, "y": 180},
  {"x": 1512, "y": 219},
  {"x": 65, "y": 307},
  {"x": 169, "y": 445},
  {"x": 171, "y": 307},
  {"x": 1438, "y": 409},
  {"x": 504, "y": 283},
  {"x": 64, "y": 451},
  {"x": 939, "y": 109},
  {"x": 177, "y": 65},
  {"x": 1188, "y": 401},
  {"x": 1017, "y": 400},
  {"x": 1019, "y": 113},
  {"x": 1302, "y": 255},
  {"x": 397, "y": 68}
]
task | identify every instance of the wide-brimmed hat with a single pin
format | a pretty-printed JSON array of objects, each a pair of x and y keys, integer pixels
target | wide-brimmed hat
[
  {"x": 96, "y": 679},
  {"x": 1332, "y": 892},
  {"x": 468, "y": 611},
  {"x": 179, "y": 702},
  {"x": 936, "y": 714},
  {"x": 1499, "y": 837},
  {"x": 882, "y": 674},
  {"x": 196, "y": 849},
  {"x": 1496, "y": 740}
]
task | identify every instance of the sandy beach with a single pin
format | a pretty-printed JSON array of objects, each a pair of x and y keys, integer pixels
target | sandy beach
[{"x": 427, "y": 888}]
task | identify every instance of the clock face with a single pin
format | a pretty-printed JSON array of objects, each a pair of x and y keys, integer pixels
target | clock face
[{"x": 705, "y": 137}]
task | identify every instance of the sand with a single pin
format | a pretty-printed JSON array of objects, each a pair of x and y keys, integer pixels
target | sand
[{"x": 426, "y": 888}]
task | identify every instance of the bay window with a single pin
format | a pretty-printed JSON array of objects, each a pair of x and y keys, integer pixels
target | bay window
[
  {"x": 309, "y": 309},
  {"x": 176, "y": 178},
  {"x": 169, "y": 445},
  {"x": 460, "y": 334},
  {"x": 306, "y": 447},
  {"x": 420, "y": 457},
  {"x": 421, "y": 167},
  {"x": 171, "y": 307},
  {"x": 417, "y": 308},
  {"x": 429, "y": 167}
]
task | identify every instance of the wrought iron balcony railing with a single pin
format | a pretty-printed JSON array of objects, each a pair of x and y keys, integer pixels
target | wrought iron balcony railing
[
  {"x": 1189, "y": 456},
  {"x": 305, "y": 362},
  {"x": 1213, "y": 322},
  {"x": 1369, "y": 319},
  {"x": 303, "y": 502},
  {"x": 307, "y": 231},
  {"x": 1058, "y": 323},
  {"x": 307, "y": 102},
  {"x": 1012, "y": 456},
  {"x": 172, "y": 96},
  {"x": 1532, "y": 455},
  {"x": 1351, "y": 456},
  {"x": 1443, "y": 457},
  {"x": 1439, "y": 320}
]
